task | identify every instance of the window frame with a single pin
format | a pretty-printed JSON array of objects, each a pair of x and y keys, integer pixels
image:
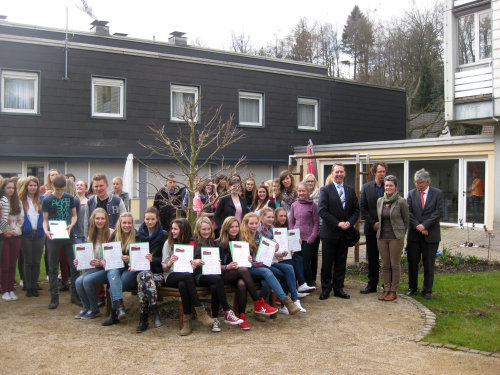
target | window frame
[
  {"x": 251, "y": 95},
  {"x": 108, "y": 81},
  {"x": 477, "y": 49},
  {"x": 187, "y": 89},
  {"x": 309, "y": 101},
  {"x": 22, "y": 74}
]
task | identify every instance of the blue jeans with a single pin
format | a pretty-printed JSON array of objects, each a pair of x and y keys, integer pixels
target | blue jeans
[
  {"x": 285, "y": 272},
  {"x": 86, "y": 289},
  {"x": 298, "y": 267},
  {"x": 264, "y": 273},
  {"x": 120, "y": 279}
]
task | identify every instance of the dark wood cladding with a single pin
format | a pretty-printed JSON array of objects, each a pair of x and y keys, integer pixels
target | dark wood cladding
[{"x": 349, "y": 112}]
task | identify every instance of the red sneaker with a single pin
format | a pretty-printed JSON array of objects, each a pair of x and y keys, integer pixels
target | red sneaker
[
  {"x": 231, "y": 318},
  {"x": 261, "y": 307},
  {"x": 244, "y": 325}
]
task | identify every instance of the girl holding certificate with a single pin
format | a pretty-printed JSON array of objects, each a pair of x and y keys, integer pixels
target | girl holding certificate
[
  {"x": 239, "y": 276},
  {"x": 304, "y": 215},
  {"x": 99, "y": 233},
  {"x": 204, "y": 237},
  {"x": 180, "y": 234},
  {"x": 283, "y": 271},
  {"x": 33, "y": 239},
  {"x": 121, "y": 279},
  {"x": 281, "y": 221},
  {"x": 11, "y": 230},
  {"x": 260, "y": 272},
  {"x": 151, "y": 232}
]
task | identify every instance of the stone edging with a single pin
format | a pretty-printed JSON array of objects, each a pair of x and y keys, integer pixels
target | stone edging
[{"x": 429, "y": 323}]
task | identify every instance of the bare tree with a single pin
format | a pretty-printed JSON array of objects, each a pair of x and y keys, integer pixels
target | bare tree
[
  {"x": 192, "y": 147},
  {"x": 241, "y": 43},
  {"x": 327, "y": 48}
]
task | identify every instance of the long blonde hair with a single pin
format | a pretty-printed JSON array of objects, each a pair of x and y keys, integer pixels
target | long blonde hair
[
  {"x": 224, "y": 232},
  {"x": 245, "y": 233},
  {"x": 197, "y": 227},
  {"x": 125, "y": 239},
  {"x": 95, "y": 235},
  {"x": 23, "y": 193}
]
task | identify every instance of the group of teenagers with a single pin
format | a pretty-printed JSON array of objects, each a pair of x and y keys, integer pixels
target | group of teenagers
[{"x": 228, "y": 209}]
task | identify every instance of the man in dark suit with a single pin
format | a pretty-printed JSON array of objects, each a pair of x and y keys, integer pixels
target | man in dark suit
[
  {"x": 338, "y": 207},
  {"x": 426, "y": 206},
  {"x": 370, "y": 193}
]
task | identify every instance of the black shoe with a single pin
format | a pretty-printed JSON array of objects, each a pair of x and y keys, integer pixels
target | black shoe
[
  {"x": 324, "y": 294},
  {"x": 368, "y": 289},
  {"x": 29, "y": 293},
  {"x": 143, "y": 323},
  {"x": 427, "y": 295},
  {"x": 34, "y": 292},
  {"x": 101, "y": 303},
  {"x": 112, "y": 319},
  {"x": 120, "y": 309},
  {"x": 411, "y": 292},
  {"x": 54, "y": 302},
  {"x": 76, "y": 300},
  {"x": 64, "y": 287},
  {"x": 341, "y": 294}
]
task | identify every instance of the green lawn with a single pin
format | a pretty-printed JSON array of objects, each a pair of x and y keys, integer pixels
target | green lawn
[{"x": 467, "y": 308}]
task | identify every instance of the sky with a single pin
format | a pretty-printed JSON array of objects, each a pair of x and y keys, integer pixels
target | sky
[{"x": 211, "y": 23}]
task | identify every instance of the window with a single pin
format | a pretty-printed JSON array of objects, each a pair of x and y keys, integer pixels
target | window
[
  {"x": 307, "y": 114},
  {"x": 19, "y": 92},
  {"x": 251, "y": 109},
  {"x": 181, "y": 96},
  {"x": 474, "y": 38},
  {"x": 108, "y": 97}
]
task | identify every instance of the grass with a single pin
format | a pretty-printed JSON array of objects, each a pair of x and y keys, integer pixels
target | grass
[{"x": 467, "y": 308}]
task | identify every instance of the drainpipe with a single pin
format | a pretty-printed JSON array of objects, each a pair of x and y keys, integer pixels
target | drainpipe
[{"x": 65, "y": 78}]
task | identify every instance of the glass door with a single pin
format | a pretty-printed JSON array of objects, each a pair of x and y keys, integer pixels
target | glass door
[
  {"x": 37, "y": 169},
  {"x": 474, "y": 191}
]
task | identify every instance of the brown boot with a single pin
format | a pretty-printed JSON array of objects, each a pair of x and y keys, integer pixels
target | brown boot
[
  {"x": 186, "y": 326},
  {"x": 292, "y": 307},
  {"x": 382, "y": 297},
  {"x": 202, "y": 316},
  {"x": 391, "y": 296}
]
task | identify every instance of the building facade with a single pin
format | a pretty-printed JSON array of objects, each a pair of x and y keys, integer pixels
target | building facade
[
  {"x": 81, "y": 102},
  {"x": 472, "y": 73}
]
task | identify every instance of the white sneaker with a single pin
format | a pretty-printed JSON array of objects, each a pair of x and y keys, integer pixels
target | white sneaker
[
  {"x": 21, "y": 283},
  {"x": 297, "y": 303},
  {"x": 6, "y": 297},
  {"x": 302, "y": 295},
  {"x": 13, "y": 297},
  {"x": 304, "y": 288},
  {"x": 216, "y": 325},
  {"x": 283, "y": 310}
]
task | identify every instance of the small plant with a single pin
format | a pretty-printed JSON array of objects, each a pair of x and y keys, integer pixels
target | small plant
[{"x": 404, "y": 261}]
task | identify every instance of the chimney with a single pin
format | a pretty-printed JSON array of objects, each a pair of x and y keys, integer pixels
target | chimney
[
  {"x": 178, "y": 38},
  {"x": 100, "y": 27}
]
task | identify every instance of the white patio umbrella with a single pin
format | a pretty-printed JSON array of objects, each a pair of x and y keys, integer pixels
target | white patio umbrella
[{"x": 128, "y": 176}]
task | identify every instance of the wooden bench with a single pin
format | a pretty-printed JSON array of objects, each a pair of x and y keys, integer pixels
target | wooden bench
[{"x": 165, "y": 291}]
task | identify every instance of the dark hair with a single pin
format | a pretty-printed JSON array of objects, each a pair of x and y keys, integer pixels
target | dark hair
[
  {"x": 256, "y": 203},
  {"x": 376, "y": 164},
  {"x": 185, "y": 235},
  {"x": 152, "y": 210},
  {"x": 59, "y": 181},
  {"x": 282, "y": 188},
  {"x": 14, "y": 204}
]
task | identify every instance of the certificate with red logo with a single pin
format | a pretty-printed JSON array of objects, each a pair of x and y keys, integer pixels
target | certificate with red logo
[
  {"x": 112, "y": 254},
  {"x": 185, "y": 255},
  {"x": 137, "y": 256}
]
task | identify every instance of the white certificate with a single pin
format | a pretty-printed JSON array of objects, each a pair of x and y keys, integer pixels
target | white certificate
[
  {"x": 294, "y": 240},
  {"x": 240, "y": 251},
  {"x": 185, "y": 254},
  {"x": 281, "y": 237},
  {"x": 112, "y": 254},
  {"x": 58, "y": 229},
  {"x": 84, "y": 253},
  {"x": 266, "y": 251},
  {"x": 137, "y": 256},
  {"x": 211, "y": 259}
]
